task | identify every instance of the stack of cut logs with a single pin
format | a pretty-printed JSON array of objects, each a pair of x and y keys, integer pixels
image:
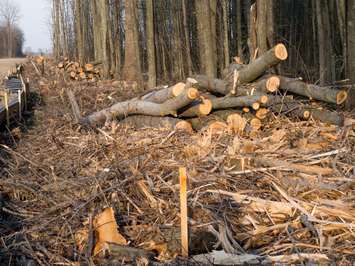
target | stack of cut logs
[
  {"x": 242, "y": 101},
  {"x": 76, "y": 71}
]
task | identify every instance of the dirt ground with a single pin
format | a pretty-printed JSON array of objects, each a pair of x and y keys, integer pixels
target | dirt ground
[{"x": 7, "y": 63}]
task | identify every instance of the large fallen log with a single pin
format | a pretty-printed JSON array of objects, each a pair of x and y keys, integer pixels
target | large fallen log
[
  {"x": 258, "y": 67},
  {"x": 264, "y": 85},
  {"x": 134, "y": 107},
  {"x": 312, "y": 91}
]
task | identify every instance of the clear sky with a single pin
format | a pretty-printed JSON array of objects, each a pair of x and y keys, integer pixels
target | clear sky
[{"x": 35, "y": 23}]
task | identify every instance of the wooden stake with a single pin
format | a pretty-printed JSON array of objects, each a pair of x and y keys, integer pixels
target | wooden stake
[
  {"x": 183, "y": 212},
  {"x": 5, "y": 96}
]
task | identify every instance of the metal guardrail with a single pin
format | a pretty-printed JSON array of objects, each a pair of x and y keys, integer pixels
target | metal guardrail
[{"x": 13, "y": 96}]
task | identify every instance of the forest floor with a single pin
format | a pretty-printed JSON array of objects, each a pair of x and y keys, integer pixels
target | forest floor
[{"x": 60, "y": 177}]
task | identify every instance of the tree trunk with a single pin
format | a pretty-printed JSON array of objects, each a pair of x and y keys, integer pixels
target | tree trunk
[
  {"x": 152, "y": 80},
  {"x": 351, "y": 40},
  {"x": 187, "y": 38},
  {"x": 116, "y": 36},
  {"x": 206, "y": 38},
  {"x": 324, "y": 43},
  {"x": 225, "y": 31},
  {"x": 261, "y": 18},
  {"x": 79, "y": 31},
  {"x": 132, "y": 66}
]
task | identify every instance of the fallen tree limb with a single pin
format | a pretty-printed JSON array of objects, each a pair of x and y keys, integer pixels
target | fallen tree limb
[
  {"x": 311, "y": 91},
  {"x": 133, "y": 107},
  {"x": 242, "y": 101}
]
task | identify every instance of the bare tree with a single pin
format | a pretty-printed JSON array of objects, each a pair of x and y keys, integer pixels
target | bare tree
[{"x": 10, "y": 14}]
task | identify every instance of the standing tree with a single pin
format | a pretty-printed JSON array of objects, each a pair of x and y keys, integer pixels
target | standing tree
[
  {"x": 132, "y": 65},
  {"x": 351, "y": 40},
  {"x": 151, "y": 44},
  {"x": 10, "y": 14},
  {"x": 206, "y": 35}
]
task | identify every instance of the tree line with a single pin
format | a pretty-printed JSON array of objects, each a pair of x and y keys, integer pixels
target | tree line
[
  {"x": 11, "y": 36},
  {"x": 164, "y": 40}
]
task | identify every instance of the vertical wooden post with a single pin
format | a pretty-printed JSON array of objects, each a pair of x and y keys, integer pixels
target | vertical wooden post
[
  {"x": 24, "y": 89},
  {"x": 183, "y": 212},
  {"x": 5, "y": 96},
  {"x": 19, "y": 95}
]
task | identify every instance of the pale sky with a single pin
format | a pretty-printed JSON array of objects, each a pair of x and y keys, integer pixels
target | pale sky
[{"x": 35, "y": 23}]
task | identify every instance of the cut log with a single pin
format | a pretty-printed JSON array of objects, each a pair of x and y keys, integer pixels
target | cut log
[
  {"x": 236, "y": 123},
  {"x": 219, "y": 86},
  {"x": 262, "y": 113},
  {"x": 242, "y": 101},
  {"x": 217, "y": 116},
  {"x": 89, "y": 67},
  {"x": 141, "y": 121},
  {"x": 258, "y": 67},
  {"x": 133, "y": 107},
  {"x": 270, "y": 84},
  {"x": 255, "y": 124},
  {"x": 201, "y": 108},
  {"x": 311, "y": 91},
  {"x": 164, "y": 94}
]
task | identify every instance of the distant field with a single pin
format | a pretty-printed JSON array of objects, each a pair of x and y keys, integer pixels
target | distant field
[{"x": 7, "y": 63}]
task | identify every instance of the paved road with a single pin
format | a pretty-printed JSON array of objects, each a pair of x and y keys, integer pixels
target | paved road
[{"x": 7, "y": 63}]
